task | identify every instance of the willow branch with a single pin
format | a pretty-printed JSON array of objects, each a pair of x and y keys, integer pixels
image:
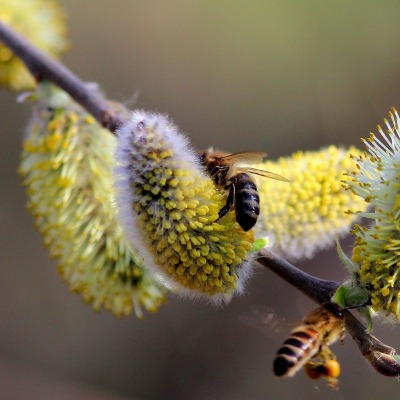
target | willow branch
[
  {"x": 321, "y": 291},
  {"x": 316, "y": 289},
  {"x": 44, "y": 68}
]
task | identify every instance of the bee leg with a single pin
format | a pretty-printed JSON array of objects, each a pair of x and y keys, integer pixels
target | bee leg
[
  {"x": 229, "y": 202},
  {"x": 327, "y": 367}
]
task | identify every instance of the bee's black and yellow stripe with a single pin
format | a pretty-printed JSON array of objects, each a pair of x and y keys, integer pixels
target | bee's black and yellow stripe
[{"x": 296, "y": 351}]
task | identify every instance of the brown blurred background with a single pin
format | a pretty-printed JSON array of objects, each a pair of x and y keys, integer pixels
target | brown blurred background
[{"x": 279, "y": 76}]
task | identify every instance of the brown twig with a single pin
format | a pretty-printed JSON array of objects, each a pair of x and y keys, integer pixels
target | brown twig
[
  {"x": 44, "y": 68},
  {"x": 317, "y": 289}
]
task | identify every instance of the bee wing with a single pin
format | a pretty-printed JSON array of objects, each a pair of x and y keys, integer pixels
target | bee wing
[
  {"x": 263, "y": 173},
  {"x": 265, "y": 320},
  {"x": 245, "y": 156}
]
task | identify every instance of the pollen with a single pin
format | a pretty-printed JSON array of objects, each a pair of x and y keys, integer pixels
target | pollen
[
  {"x": 200, "y": 255},
  {"x": 67, "y": 165},
  {"x": 308, "y": 213}
]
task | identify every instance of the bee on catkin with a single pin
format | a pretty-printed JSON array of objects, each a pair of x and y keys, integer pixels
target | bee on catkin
[
  {"x": 227, "y": 172},
  {"x": 169, "y": 207}
]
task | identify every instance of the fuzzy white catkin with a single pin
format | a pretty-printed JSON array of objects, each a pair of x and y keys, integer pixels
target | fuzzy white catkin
[{"x": 169, "y": 208}]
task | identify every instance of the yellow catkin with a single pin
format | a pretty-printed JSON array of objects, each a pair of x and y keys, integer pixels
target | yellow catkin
[
  {"x": 67, "y": 164},
  {"x": 376, "y": 254},
  {"x": 308, "y": 213},
  {"x": 168, "y": 203}
]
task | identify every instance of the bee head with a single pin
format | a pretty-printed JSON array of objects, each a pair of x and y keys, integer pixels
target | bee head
[{"x": 334, "y": 309}]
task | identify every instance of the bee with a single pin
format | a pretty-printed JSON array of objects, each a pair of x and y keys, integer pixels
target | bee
[
  {"x": 227, "y": 172},
  {"x": 311, "y": 341}
]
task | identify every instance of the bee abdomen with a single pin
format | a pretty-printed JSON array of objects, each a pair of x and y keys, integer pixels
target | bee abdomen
[
  {"x": 296, "y": 351},
  {"x": 247, "y": 201}
]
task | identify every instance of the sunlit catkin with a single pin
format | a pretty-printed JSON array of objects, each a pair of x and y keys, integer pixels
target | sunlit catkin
[
  {"x": 308, "y": 213},
  {"x": 67, "y": 165},
  {"x": 169, "y": 210}
]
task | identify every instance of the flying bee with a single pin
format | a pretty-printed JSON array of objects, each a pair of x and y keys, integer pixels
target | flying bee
[
  {"x": 227, "y": 172},
  {"x": 321, "y": 328}
]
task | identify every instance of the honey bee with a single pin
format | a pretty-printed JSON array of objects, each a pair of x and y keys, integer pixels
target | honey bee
[
  {"x": 227, "y": 172},
  {"x": 311, "y": 341}
]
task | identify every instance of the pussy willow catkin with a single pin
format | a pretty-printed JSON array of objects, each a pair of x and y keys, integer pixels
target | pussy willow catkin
[
  {"x": 310, "y": 212},
  {"x": 67, "y": 165},
  {"x": 169, "y": 210},
  {"x": 376, "y": 255}
]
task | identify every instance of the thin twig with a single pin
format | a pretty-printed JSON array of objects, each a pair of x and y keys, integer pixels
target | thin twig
[
  {"x": 317, "y": 289},
  {"x": 44, "y": 68}
]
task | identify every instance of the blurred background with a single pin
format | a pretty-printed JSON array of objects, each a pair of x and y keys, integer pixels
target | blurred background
[{"x": 258, "y": 75}]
